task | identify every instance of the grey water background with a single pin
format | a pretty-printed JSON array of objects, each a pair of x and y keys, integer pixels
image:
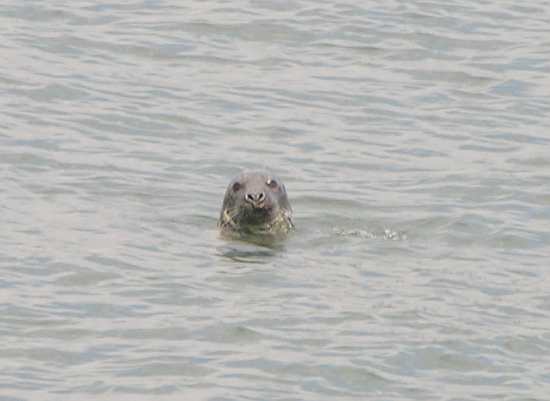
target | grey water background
[{"x": 413, "y": 138}]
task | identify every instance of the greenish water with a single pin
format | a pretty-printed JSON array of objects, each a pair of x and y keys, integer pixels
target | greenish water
[{"x": 413, "y": 141}]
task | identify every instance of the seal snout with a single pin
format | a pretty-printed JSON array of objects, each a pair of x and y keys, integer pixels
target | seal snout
[{"x": 256, "y": 199}]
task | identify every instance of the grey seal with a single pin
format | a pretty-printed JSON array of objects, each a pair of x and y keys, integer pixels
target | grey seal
[{"x": 255, "y": 203}]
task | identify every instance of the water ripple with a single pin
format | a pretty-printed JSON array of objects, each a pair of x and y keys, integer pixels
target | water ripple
[{"x": 413, "y": 142}]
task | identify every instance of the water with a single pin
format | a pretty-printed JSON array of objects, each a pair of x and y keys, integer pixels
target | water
[{"x": 412, "y": 138}]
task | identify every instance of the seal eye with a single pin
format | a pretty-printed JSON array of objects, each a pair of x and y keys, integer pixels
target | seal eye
[
  {"x": 236, "y": 187},
  {"x": 272, "y": 183}
]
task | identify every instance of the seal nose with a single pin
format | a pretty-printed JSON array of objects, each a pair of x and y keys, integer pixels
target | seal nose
[{"x": 255, "y": 199}]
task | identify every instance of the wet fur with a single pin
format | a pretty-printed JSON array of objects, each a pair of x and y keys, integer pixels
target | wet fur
[{"x": 239, "y": 217}]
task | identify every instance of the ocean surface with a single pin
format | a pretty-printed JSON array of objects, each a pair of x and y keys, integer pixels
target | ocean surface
[{"x": 414, "y": 142}]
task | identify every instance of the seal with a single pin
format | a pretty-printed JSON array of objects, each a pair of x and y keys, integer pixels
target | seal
[{"x": 255, "y": 203}]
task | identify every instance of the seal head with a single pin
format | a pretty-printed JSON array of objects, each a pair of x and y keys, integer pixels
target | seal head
[{"x": 255, "y": 203}]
